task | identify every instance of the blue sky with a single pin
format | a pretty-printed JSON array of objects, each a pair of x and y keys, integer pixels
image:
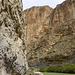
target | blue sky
[{"x": 30, "y": 3}]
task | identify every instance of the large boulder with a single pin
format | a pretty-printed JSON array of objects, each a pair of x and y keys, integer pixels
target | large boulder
[
  {"x": 12, "y": 38},
  {"x": 38, "y": 73}
]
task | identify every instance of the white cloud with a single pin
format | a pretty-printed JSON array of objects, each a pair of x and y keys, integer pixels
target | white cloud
[{"x": 30, "y": 3}]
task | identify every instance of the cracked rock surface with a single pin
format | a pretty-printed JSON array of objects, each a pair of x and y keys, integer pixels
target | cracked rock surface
[{"x": 12, "y": 39}]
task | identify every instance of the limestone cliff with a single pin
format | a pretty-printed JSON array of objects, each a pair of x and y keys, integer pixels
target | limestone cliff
[
  {"x": 36, "y": 22},
  {"x": 57, "y": 45},
  {"x": 12, "y": 39}
]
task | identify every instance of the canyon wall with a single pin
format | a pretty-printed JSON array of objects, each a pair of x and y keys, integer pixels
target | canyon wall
[
  {"x": 56, "y": 45},
  {"x": 36, "y": 22},
  {"x": 12, "y": 38}
]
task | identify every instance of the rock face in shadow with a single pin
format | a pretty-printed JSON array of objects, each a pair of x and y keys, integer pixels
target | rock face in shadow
[
  {"x": 57, "y": 45},
  {"x": 12, "y": 38}
]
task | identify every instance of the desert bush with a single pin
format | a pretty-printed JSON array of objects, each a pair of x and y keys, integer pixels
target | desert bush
[
  {"x": 43, "y": 70},
  {"x": 69, "y": 68}
]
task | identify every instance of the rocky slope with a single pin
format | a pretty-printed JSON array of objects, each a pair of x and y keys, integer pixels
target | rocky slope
[
  {"x": 57, "y": 44},
  {"x": 12, "y": 39}
]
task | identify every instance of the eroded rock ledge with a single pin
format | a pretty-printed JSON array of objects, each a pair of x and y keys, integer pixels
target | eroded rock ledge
[{"x": 12, "y": 38}]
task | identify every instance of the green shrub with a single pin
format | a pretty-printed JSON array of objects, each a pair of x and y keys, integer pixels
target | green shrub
[
  {"x": 55, "y": 69},
  {"x": 43, "y": 70},
  {"x": 32, "y": 69},
  {"x": 59, "y": 68},
  {"x": 50, "y": 69},
  {"x": 69, "y": 68}
]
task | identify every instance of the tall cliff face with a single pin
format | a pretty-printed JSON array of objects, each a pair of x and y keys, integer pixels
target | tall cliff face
[
  {"x": 57, "y": 45},
  {"x": 36, "y": 22},
  {"x": 12, "y": 38}
]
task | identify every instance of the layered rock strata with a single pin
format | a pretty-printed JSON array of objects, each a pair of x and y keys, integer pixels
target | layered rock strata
[
  {"x": 12, "y": 38},
  {"x": 57, "y": 45}
]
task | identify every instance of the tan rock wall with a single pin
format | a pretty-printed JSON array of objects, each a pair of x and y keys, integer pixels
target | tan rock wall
[
  {"x": 36, "y": 23},
  {"x": 57, "y": 45}
]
